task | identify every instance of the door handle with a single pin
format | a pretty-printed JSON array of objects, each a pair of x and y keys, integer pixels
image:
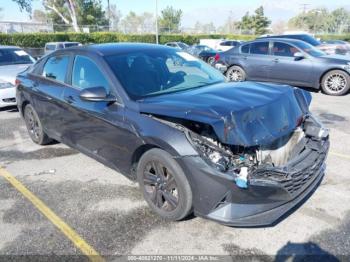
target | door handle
[
  {"x": 69, "y": 99},
  {"x": 245, "y": 57},
  {"x": 276, "y": 60}
]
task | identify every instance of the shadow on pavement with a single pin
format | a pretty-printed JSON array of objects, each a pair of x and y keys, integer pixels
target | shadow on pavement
[{"x": 309, "y": 251}]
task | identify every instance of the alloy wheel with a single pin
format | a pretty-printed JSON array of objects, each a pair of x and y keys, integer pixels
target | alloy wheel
[
  {"x": 32, "y": 124},
  {"x": 160, "y": 186},
  {"x": 336, "y": 83},
  {"x": 235, "y": 75}
]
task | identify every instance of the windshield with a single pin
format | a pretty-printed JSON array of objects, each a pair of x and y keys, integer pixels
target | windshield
[
  {"x": 307, "y": 48},
  {"x": 308, "y": 39},
  {"x": 161, "y": 71},
  {"x": 183, "y": 45},
  {"x": 11, "y": 56}
]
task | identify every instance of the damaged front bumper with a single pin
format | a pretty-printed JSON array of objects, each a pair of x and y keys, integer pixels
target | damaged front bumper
[{"x": 272, "y": 191}]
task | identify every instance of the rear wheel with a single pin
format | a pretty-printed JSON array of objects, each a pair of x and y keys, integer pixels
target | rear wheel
[
  {"x": 34, "y": 126},
  {"x": 236, "y": 74},
  {"x": 336, "y": 83},
  {"x": 164, "y": 185},
  {"x": 211, "y": 60}
]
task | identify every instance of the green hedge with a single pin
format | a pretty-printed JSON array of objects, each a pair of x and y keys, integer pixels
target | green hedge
[
  {"x": 345, "y": 37},
  {"x": 39, "y": 39}
]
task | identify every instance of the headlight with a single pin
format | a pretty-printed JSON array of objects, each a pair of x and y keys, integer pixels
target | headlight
[
  {"x": 6, "y": 85},
  {"x": 210, "y": 152}
]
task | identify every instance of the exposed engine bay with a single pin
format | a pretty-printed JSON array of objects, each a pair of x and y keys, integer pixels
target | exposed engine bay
[{"x": 241, "y": 161}]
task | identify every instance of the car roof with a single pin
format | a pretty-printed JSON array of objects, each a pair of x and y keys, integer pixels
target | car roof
[
  {"x": 64, "y": 42},
  {"x": 115, "y": 48},
  {"x": 264, "y": 39}
]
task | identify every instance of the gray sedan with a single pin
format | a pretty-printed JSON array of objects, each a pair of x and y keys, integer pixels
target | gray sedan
[{"x": 287, "y": 61}]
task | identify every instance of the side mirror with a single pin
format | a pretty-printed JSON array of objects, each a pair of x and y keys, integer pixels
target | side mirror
[
  {"x": 96, "y": 94},
  {"x": 299, "y": 56}
]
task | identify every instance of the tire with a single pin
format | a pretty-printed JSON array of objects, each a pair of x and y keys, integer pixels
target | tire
[
  {"x": 164, "y": 185},
  {"x": 236, "y": 74},
  {"x": 211, "y": 60},
  {"x": 335, "y": 83},
  {"x": 34, "y": 126}
]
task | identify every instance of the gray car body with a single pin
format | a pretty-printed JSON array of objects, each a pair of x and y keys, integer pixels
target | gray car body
[{"x": 306, "y": 72}]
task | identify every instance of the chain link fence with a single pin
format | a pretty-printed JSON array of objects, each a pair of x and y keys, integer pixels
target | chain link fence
[{"x": 148, "y": 28}]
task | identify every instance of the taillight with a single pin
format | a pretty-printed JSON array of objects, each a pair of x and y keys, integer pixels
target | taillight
[
  {"x": 17, "y": 82},
  {"x": 217, "y": 57}
]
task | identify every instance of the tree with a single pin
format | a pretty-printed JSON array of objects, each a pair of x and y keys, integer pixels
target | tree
[
  {"x": 317, "y": 20},
  {"x": 208, "y": 28},
  {"x": 260, "y": 21},
  {"x": 279, "y": 27},
  {"x": 134, "y": 23},
  {"x": 90, "y": 12},
  {"x": 170, "y": 20},
  {"x": 66, "y": 10},
  {"x": 24, "y": 5},
  {"x": 257, "y": 22},
  {"x": 246, "y": 24},
  {"x": 39, "y": 16},
  {"x": 115, "y": 17}
]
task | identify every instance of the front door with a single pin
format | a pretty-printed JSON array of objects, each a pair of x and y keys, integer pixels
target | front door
[
  {"x": 95, "y": 128},
  {"x": 288, "y": 69}
]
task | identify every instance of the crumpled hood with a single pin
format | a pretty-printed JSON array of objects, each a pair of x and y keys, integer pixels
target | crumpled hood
[
  {"x": 244, "y": 113},
  {"x": 8, "y": 73}
]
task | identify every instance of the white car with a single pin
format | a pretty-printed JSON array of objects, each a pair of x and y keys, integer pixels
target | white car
[
  {"x": 13, "y": 60},
  {"x": 53, "y": 46}
]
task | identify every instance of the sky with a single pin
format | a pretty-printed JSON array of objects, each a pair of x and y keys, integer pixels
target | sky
[{"x": 205, "y": 11}]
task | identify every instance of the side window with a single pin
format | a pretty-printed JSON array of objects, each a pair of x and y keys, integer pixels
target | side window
[
  {"x": 245, "y": 49},
  {"x": 259, "y": 48},
  {"x": 283, "y": 49},
  {"x": 56, "y": 68},
  {"x": 87, "y": 74}
]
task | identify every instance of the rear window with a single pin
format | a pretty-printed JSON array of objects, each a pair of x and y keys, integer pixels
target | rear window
[
  {"x": 50, "y": 47},
  {"x": 56, "y": 68},
  {"x": 13, "y": 56}
]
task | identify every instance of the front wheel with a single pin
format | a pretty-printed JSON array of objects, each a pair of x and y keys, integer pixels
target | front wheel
[
  {"x": 164, "y": 185},
  {"x": 336, "y": 83},
  {"x": 236, "y": 74}
]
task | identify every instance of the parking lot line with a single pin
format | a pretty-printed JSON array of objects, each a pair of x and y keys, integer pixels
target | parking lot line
[
  {"x": 78, "y": 241},
  {"x": 340, "y": 155}
]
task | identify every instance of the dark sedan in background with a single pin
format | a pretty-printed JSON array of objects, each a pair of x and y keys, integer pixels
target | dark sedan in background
[
  {"x": 287, "y": 61},
  {"x": 206, "y": 53},
  {"x": 237, "y": 153}
]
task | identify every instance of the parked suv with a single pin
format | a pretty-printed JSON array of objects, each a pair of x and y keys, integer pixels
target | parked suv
[{"x": 287, "y": 61}]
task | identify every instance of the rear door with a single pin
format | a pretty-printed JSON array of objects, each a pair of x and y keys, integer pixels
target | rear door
[
  {"x": 49, "y": 85},
  {"x": 288, "y": 69},
  {"x": 256, "y": 60}
]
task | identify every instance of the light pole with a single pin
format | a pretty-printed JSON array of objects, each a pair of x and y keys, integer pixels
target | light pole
[
  {"x": 109, "y": 16},
  {"x": 157, "y": 33}
]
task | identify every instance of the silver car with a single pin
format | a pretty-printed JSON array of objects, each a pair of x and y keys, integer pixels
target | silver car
[{"x": 13, "y": 60}]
